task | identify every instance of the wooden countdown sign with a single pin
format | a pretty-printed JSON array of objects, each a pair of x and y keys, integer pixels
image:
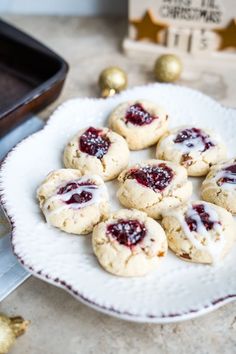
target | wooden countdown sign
[{"x": 190, "y": 27}]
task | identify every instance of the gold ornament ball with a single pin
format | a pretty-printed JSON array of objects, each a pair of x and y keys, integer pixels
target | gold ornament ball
[
  {"x": 10, "y": 329},
  {"x": 112, "y": 80},
  {"x": 168, "y": 68}
]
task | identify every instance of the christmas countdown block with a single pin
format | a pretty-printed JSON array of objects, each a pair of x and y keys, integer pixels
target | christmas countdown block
[{"x": 187, "y": 27}]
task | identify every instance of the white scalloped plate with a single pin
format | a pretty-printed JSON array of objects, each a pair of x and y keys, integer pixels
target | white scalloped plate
[{"x": 177, "y": 290}]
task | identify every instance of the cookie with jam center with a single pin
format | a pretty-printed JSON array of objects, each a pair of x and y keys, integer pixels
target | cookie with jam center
[
  {"x": 154, "y": 186},
  {"x": 219, "y": 186},
  {"x": 140, "y": 122},
  {"x": 194, "y": 148},
  {"x": 200, "y": 232},
  {"x": 129, "y": 243},
  {"x": 72, "y": 202},
  {"x": 98, "y": 151}
]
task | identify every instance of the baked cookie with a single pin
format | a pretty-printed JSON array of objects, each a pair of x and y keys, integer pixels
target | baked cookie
[
  {"x": 98, "y": 151},
  {"x": 194, "y": 148},
  {"x": 154, "y": 186},
  {"x": 140, "y": 122},
  {"x": 219, "y": 187},
  {"x": 129, "y": 243},
  {"x": 200, "y": 232},
  {"x": 72, "y": 202}
]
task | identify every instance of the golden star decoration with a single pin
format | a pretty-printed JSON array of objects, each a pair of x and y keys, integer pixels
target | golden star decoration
[
  {"x": 148, "y": 28},
  {"x": 228, "y": 35}
]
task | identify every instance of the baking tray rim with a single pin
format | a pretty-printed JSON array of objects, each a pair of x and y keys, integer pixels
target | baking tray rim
[{"x": 43, "y": 87}]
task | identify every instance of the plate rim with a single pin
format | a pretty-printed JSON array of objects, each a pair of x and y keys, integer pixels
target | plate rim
[{"x": 164, "y": 319}]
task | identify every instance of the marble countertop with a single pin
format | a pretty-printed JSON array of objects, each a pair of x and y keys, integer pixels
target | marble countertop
[{"x": 60, "y": 324}]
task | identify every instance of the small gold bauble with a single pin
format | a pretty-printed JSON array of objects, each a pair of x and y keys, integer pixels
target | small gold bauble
[
  {"x": 168, "y": 68},
  {"x": 10, "y": 329},
  {"x": 112, "y": 80}
]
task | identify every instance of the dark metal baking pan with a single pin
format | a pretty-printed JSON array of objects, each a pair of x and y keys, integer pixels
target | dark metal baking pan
[{"x": 31, "y": 76}]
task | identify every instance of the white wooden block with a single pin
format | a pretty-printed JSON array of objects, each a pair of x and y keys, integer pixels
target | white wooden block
[
  {"x": 203, "y": 41},
  {"x": 178, "y": 38}
]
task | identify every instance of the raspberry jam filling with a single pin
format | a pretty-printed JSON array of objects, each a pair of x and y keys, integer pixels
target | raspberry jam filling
[
  {"x": 127, "y": 232},
  {"x": 137, "y": 115},
  {"x": 81, "y": 195},
  {"x": 94, "y": 142},
  {"x": 228, "y": 175},
  {"x": 194, "y": 138},
  {"x": 154, "y": 177},
  {"x": 199, "y": 212}
]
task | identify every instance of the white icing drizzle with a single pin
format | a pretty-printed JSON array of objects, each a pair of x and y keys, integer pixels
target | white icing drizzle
[
  {"x": 226, "y": 174},
  {"x": 98, "y": 192},
  {"x": 212, "y": 246},
  {"x": 198, "y": 145}
]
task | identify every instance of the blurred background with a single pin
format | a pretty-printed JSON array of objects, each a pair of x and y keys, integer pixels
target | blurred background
[{"x": 65, "y": 7}]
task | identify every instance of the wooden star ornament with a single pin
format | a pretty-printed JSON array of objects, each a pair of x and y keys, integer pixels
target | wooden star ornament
[
  {"x": 228, "y": 35},
  {"x": 148, "y": 28}
]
